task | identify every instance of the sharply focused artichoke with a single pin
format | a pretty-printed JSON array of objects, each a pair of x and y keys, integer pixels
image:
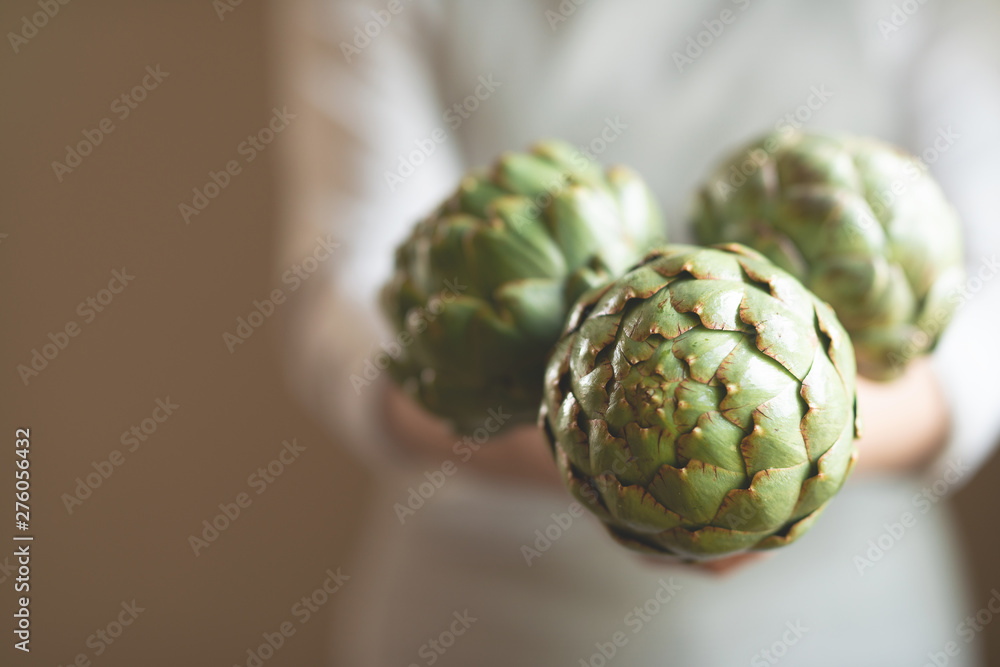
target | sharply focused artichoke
[
  {"x": 484, "y": 284},
  {"x": 703, "y": 403},
  {"x": 861, "y": 223}
]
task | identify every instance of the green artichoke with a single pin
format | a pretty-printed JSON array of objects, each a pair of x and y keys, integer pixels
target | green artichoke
[
  {"x": 861, "y": 223},
  {"x": 702, "y": 404},
  {"x": 482, "y": 287}
]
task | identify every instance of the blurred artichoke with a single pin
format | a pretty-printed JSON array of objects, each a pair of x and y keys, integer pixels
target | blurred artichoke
[
  {"x": 861, "y": 223},
  {"x": 702, "y": 404},
  {"x": 484, "y": 284}
]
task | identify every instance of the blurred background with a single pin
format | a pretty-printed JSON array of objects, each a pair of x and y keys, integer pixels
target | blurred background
[
  {"x": 210, "y": 78},
  {"x": 160, "y": 338}
]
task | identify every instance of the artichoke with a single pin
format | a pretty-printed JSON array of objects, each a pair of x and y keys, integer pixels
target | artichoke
[
  {"x": 702, "y": 404},
  {"x": 862, "y": 224},
  {"x": 482, "y": 286}
]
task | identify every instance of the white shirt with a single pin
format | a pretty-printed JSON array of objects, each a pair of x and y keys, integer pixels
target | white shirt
[{"x": 669, "y": 89}]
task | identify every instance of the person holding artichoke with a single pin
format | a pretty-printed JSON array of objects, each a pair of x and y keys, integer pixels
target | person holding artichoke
[{"x": 427, "y": 347}]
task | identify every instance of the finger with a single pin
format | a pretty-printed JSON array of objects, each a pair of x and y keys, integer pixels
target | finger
[{"x": 725, "y": 566}]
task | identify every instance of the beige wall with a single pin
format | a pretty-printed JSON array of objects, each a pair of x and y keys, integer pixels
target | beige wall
[{"x": 162, "y": 337}]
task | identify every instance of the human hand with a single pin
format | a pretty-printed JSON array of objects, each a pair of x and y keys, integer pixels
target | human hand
[
  {"x": 904, "y": 421},
  {"x": 718, "y": 567},
  {"x": 517, "y": 454}
]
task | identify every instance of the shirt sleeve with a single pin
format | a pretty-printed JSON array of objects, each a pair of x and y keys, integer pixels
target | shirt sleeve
[
  {"x": 957, "y": 102},
  {"x": 371, "y": 155}
]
